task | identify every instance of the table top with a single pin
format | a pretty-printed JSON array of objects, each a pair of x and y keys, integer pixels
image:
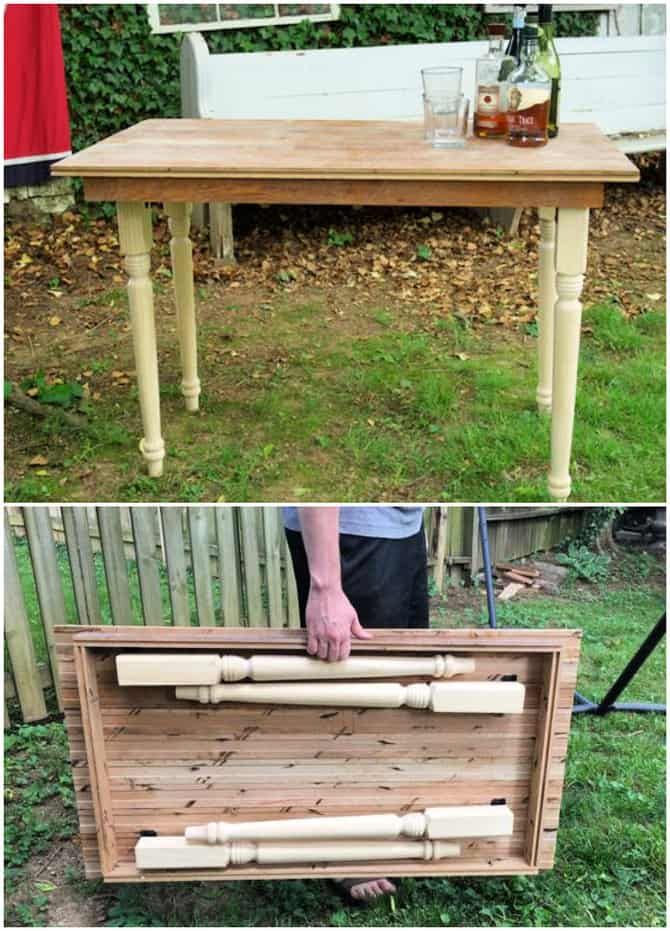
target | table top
[{"x": 340, "y": 150}]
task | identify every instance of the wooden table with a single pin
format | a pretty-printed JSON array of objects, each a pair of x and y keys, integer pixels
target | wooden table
[
  {"x": 178, "y": 162},
  {"x": 145, "y": 761}
]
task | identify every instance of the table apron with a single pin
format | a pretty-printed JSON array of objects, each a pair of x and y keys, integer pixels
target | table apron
[{"x": 372, "y": 192}]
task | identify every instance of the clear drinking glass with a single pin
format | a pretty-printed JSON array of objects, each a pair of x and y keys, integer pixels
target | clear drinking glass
[
  {"x": 442, "y": 82},
  {"x": 446, "y": 121}
]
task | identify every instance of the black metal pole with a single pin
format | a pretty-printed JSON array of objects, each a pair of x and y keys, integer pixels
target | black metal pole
[
  {"x": 647, "y": 647},
  {"x": 486, "y": 559}
]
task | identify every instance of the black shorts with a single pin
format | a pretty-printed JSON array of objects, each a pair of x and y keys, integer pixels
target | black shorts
[{"x": 385, "y": 580}]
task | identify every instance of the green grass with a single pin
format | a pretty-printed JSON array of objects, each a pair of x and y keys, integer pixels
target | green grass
[
  {"x": 438, "y": 411},
  {"x": 610, "y": 861}
]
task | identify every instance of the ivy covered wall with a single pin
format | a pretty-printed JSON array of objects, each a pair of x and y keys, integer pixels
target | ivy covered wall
[{"x": 119, "y": 73}]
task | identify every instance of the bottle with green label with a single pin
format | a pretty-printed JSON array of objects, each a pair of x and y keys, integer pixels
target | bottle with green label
[{"x": 549, "y": 61}]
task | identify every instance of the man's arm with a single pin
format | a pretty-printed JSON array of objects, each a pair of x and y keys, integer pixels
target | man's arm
[{"x": 330, "y": 617}]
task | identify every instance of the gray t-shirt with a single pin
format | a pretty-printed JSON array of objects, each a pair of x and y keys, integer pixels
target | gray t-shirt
[{"x": 390, "y": 523}]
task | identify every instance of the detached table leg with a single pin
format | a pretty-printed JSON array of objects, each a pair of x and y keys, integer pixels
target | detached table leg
[
  {"x": 571, "y": 250},
  {"x": 545, "y": 313},
  {"x": 135, "y": 237},
  {"x": 182, "y": 271}
]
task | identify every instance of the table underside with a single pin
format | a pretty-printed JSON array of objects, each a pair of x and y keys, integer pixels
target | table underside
[{"x": 145, "y": 761}]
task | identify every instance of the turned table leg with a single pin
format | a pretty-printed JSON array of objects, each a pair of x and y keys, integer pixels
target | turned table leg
[
  {"x": 135, "y": 238},
  {"x": 182, "y": 272},
  {"x": 571, "y": 251},
  {"x": 545, "y": 314}
]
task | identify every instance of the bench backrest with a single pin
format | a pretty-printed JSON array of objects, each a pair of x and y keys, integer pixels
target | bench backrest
[{"x": 616, "y": 82}]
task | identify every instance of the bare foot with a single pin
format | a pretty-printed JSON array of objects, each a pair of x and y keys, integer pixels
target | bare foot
[{"x": 369, "y": 889}]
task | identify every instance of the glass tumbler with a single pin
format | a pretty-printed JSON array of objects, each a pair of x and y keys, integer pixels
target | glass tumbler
[
  {"x": 442, "y": 82},
  {"x": 446, "y": 121}
]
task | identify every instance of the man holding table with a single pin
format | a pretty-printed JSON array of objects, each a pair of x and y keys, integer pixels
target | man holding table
[{"x": 357, "y": 568}]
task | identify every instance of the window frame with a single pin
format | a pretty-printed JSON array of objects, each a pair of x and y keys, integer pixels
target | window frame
[{"x": 158, "y": 28}]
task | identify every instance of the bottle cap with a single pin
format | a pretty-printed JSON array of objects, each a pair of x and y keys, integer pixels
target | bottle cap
[
  {"x": 545, "y": 12},
  {"x": 496, "y": 29}
]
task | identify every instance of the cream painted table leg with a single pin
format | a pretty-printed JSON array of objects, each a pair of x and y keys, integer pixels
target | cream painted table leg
[
  {"x": 545, "y": 316},
  {"x": 182, "y": 270},
  {"x": 571, "y": 253},
  {"x": 135, "y": 238}
]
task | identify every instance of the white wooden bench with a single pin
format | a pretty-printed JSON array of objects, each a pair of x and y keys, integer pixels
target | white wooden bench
[{"x": 616, "y": 82}]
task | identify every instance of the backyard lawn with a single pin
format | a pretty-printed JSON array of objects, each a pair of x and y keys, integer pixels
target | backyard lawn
[
  {"x": 610, "y": 868},
  {"x": 394, "y": 349}
]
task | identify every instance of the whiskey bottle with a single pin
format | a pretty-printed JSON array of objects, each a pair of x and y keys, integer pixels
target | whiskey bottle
[
  {"x": 549, "y": 61},
  {"x": 529, "y": 95},
  {"x": 490, "y": 117}
]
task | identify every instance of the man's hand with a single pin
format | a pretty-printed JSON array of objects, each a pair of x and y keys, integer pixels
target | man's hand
[{"x": 331, "y": 621}]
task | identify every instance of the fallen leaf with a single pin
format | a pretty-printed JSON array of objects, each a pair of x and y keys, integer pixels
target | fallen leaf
[
  {"x": 39, "y": 461},
  {"x": 54, "y": 321}
]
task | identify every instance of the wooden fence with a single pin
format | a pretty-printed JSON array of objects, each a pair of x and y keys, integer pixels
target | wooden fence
[{"x": 206, "y": 566}]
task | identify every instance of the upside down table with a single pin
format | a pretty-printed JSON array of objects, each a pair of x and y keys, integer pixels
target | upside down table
[
  {"x": 178, "y": 162},
  {"x": 148, "y": 765}
]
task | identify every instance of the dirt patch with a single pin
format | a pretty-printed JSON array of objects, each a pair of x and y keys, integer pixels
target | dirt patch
[{"x": 52, "y": 885}]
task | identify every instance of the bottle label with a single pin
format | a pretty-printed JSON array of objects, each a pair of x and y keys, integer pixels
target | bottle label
[
  {"x": 488, "y": 100},
  {"x": 528, "y": 108}
]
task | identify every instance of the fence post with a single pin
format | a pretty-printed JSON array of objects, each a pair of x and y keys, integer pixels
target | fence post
[
  {"x": 19, "y": 639},
  {"x": 202, "y": 582},
  {"x": 292, "y": 603},
  {"x": 442, "y": 515},
  {"x": 82, "y": 566},
  {"x": 229, "y": 562},
  {"x": 143, "y": 520},
  {"x": 252, "y": 575},
  {"x": 114, "y": 560},
  {"x": 175, "y": 561},
  {"x": 48, "y": 582},
  {"x": 273, "y": 567}
]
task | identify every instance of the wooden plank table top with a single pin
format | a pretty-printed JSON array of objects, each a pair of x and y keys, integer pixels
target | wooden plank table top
[
  {"x": 326, "y": 149},
  {"x": 342, "y": 162}
]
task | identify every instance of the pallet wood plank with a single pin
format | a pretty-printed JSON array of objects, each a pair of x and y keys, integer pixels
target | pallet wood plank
[
  {"x": 323, "y": 150},
  {"x": 229, "y": 560},
  {"x": 144, "y": 533},
  {"x": 175, "y": 561},
  {"x": 48, "y": 582},
  {"x": 198, "y": 523},
  {"x": 95, "y": 752},
  {"x": 19, "y": 639},
  {"x": 82, "y": 565},
  {"x": 116, "y": 567}
]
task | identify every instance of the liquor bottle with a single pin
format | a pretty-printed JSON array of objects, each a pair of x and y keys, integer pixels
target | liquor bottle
[
  {"x": 490, "y": 118},
  {"x": 549, "y": 61},
  {"x": 529, "y": 95},
  {"x": 518, "y": 22}
]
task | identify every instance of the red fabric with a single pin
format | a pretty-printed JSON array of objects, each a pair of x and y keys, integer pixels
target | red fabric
[{"x": 36, "y": 115}]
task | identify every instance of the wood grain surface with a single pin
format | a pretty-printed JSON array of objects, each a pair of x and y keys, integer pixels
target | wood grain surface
[
  {"x": 373, "y": 192},
  {"x": 334, "y": 149},
  {"x": 160, "y": 766}
]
